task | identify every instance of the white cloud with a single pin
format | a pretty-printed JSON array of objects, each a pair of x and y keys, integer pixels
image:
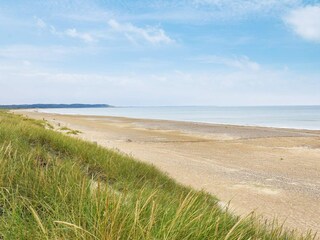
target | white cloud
[
  {"x": 238, "y": 62},
  {"x": 83, "y": 36},
  {"x": 53, "y": 30},
  {"x": 305, "y": 22},
  {"x": 153, "y": 35},
  {"x": 40, "y": 23},
  {"x": 71, "y": 32}
]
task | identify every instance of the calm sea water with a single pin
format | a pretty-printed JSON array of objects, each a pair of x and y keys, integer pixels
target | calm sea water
[{"x": 303, "y": 117}]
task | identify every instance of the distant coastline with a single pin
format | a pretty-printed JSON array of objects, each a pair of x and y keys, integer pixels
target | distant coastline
[{"x": 34, "y": 106}]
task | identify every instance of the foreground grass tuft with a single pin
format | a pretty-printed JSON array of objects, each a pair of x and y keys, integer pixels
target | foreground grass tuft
[{"x": 56, "y": 187}]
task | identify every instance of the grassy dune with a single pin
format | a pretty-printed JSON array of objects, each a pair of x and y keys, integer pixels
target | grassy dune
[{"x": 53, "y": 186}]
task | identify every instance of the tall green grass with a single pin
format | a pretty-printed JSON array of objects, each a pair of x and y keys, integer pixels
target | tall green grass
[{"x": 57, "y": 187}]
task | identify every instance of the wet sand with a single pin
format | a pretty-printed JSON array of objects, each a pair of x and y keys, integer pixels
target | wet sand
[{"x": 275, "y": 172}]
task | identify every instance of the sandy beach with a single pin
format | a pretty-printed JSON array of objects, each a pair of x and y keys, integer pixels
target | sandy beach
[{"x": 275, "y": 172}]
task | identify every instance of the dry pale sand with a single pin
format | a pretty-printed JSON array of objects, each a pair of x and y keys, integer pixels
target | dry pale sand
[{"x": 275, "y": 172}]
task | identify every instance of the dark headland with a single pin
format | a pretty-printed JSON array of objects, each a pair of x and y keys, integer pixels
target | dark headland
[{"x": 75, "y": 105}]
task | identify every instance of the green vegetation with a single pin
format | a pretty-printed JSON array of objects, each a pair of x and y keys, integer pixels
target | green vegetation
[
  {"x": 74, "y": 132},
  {"x": 65, "y": 129},
  {"x": 70, "y": 131},
  {"x": 53, "y": 186}
]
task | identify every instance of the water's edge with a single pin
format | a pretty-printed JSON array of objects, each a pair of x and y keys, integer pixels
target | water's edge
[{"x": 295, "y": 117}]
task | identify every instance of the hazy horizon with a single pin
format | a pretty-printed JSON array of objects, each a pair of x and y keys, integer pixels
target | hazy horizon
[{"x": 111, "y": 105}]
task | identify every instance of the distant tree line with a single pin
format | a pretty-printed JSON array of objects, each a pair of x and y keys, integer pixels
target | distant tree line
[{"x": 76, "y": 105}]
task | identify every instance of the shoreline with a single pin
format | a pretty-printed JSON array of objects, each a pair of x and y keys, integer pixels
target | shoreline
[
  {"x": 317, "y": 131},
  {"x": 271, "y": 123},
  {"x": 274, "y": 171}
]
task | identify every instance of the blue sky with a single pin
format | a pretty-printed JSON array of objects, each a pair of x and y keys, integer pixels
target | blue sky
[{"x": 187, "y": 52}]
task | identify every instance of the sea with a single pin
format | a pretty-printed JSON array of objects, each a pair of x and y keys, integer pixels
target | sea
[{"x": 298, "y": 117}]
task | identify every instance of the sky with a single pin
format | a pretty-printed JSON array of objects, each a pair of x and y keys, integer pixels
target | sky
[{"x": 160, "y": 53}]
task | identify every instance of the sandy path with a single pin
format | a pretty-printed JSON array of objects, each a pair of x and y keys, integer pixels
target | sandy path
[{"x": 275, "y": 172}]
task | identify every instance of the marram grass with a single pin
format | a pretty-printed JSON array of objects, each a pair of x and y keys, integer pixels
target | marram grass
[{"x": 53, "y": 186}]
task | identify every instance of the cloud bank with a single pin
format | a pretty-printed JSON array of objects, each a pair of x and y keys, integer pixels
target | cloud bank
[
  {"x": 152, "y": 35},
  {"x": 305, "y": 22}
]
